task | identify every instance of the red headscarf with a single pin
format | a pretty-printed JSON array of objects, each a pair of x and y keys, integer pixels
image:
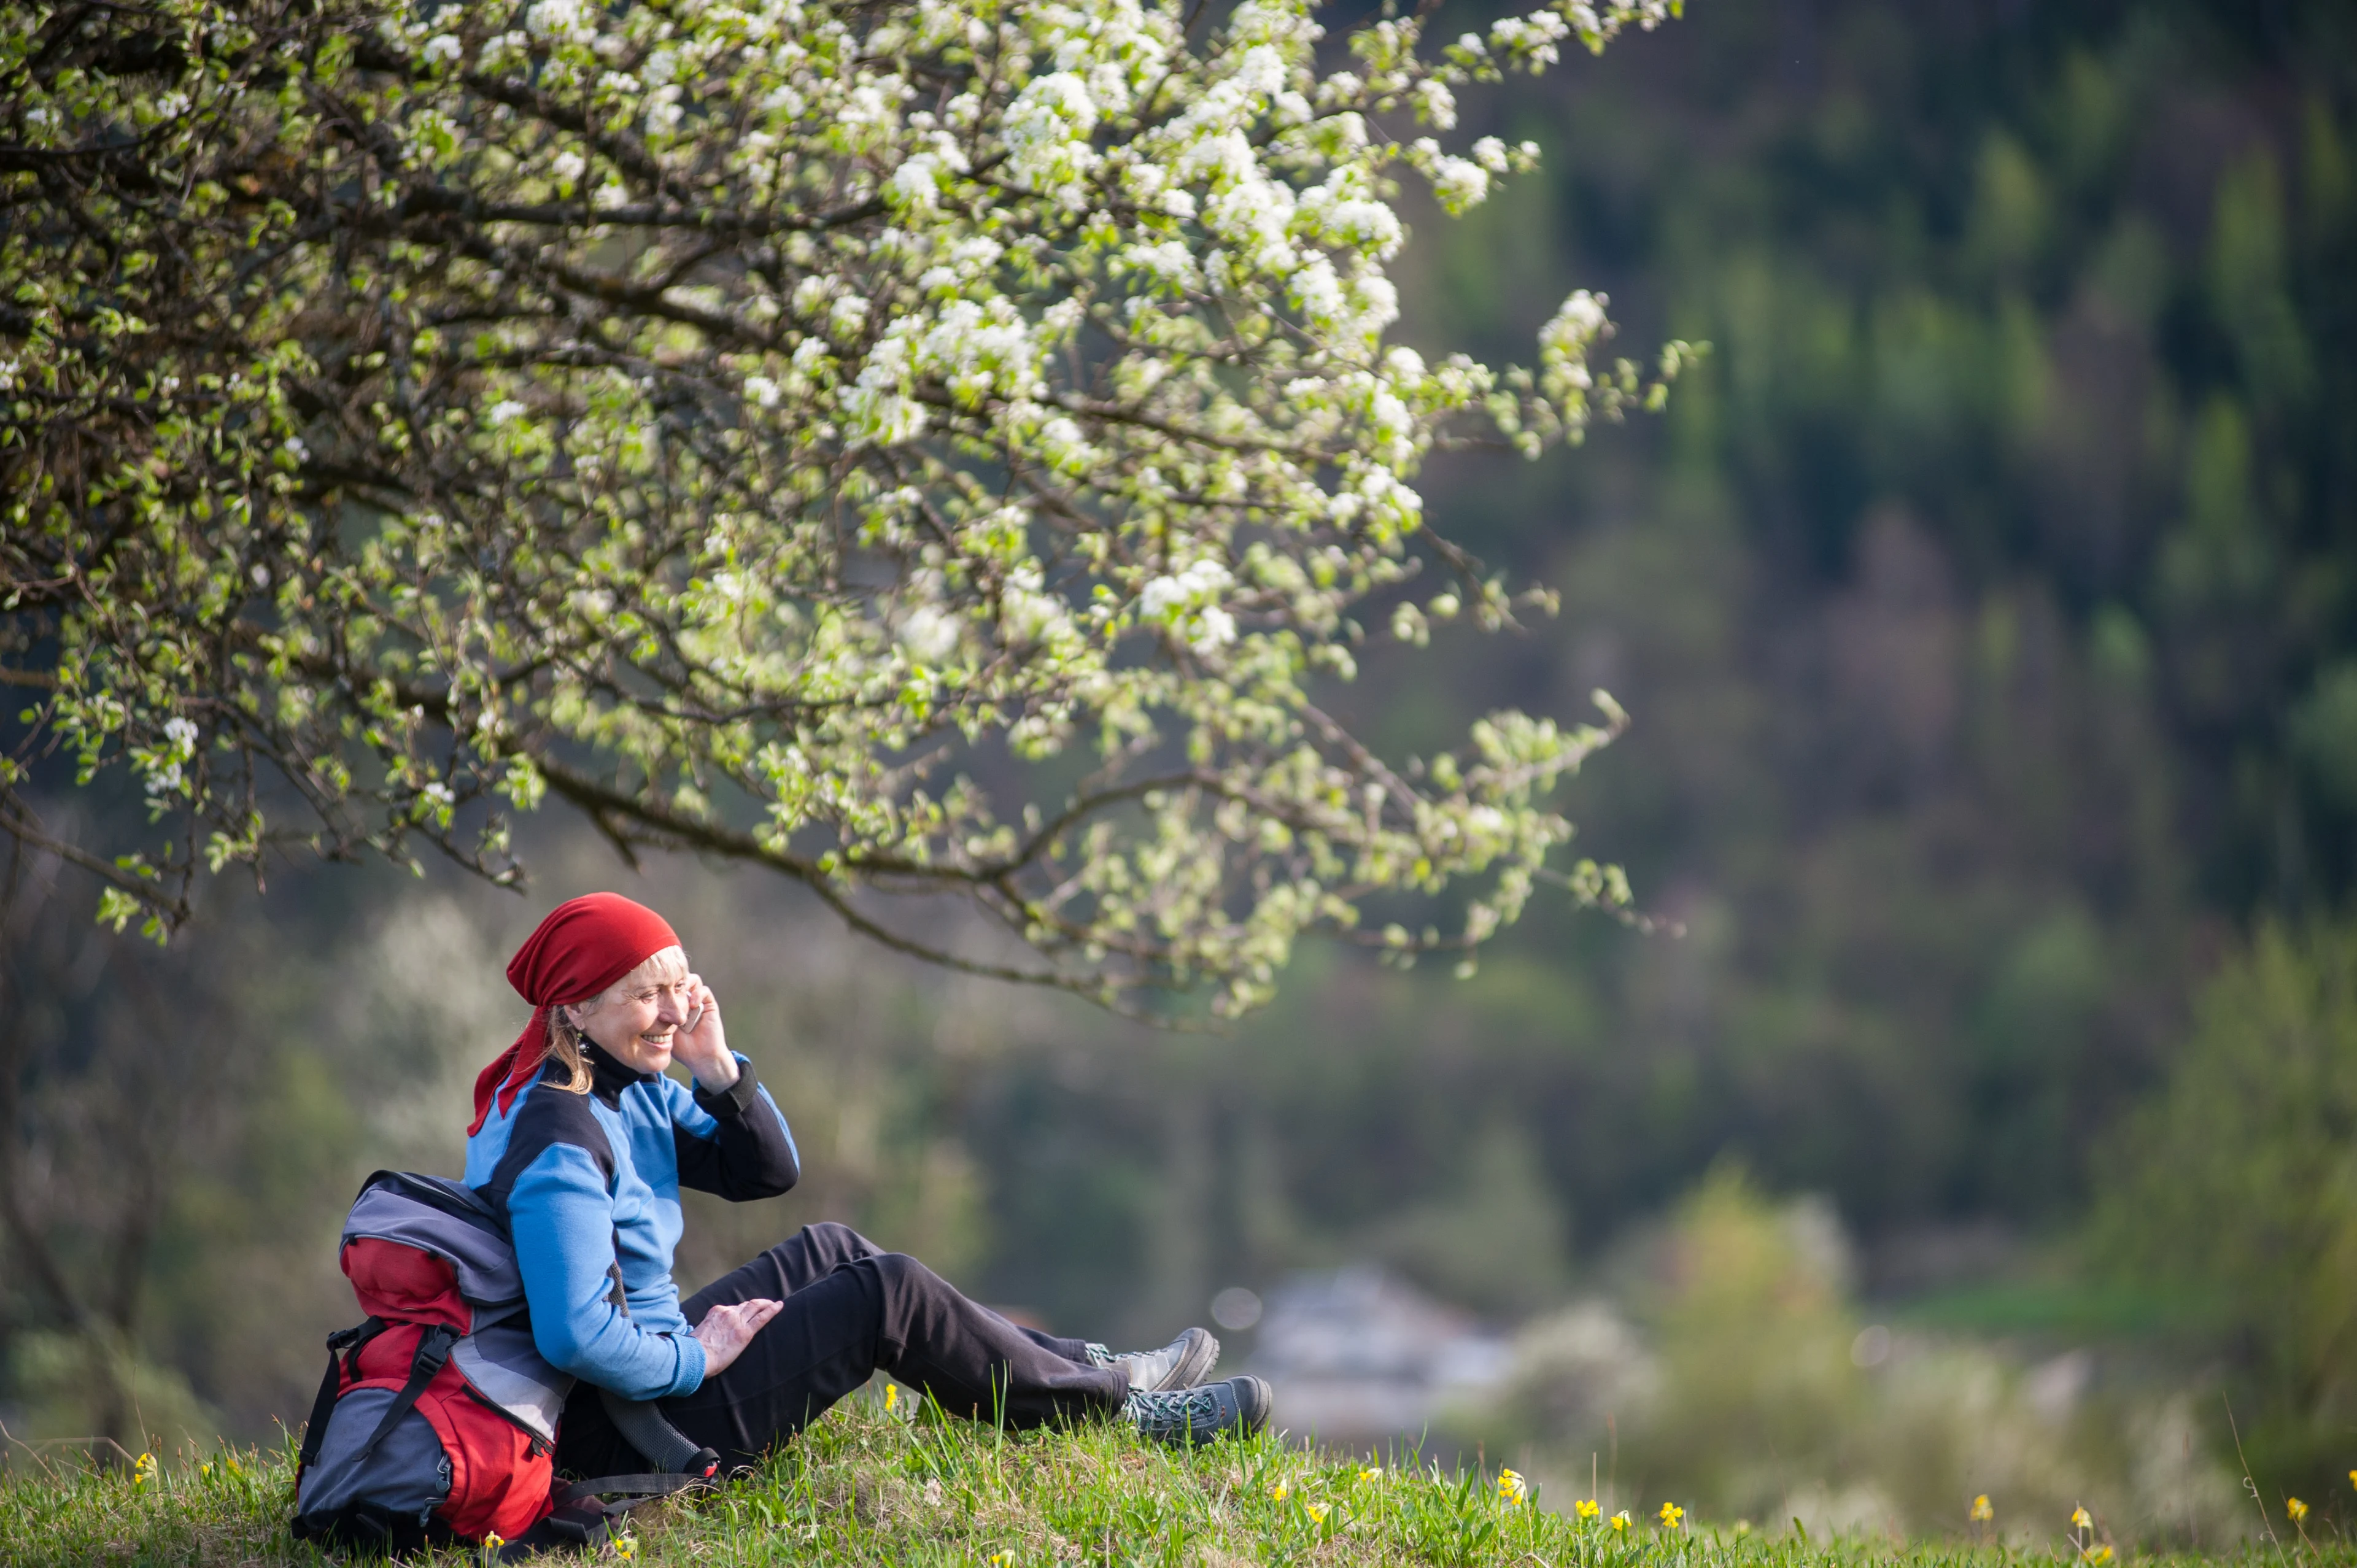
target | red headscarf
[{"x": 584, "y": 946}]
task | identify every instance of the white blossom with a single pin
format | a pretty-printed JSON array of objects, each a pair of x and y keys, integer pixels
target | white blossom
[
  {"x": 813, "y": 399},
  {"x": 1563, "y": 342},
  {"x": 1434, "y": 104},
  {"x": 1459, "y": 183},
  {"x": 1188, "y": 602},
  {"x": 562, "y": 21},
  {"x": 916, "y": 183},
  {"x": 930, "y": 634}
]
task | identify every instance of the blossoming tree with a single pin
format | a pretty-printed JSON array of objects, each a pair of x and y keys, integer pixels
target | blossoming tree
[{"x": 917, "y": 446}]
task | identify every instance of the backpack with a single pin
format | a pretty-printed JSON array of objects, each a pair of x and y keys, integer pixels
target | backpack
[{"x": 435, "y": 1422}]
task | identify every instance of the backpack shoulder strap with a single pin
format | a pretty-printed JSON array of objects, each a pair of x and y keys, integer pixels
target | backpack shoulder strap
[
  {"x": 581, "y": 1516},
  {"x": 645, "y": 1428},
  {"x": 347, "y": 1343},
  {"x": 432, "y": 1351},
  {"x": 637, "y": 1489}
]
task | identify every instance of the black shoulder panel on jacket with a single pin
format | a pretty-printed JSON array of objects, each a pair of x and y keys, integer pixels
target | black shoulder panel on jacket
[
  {"x": 549, "y": 1114},
  {"x": 749, "y": 1155}
]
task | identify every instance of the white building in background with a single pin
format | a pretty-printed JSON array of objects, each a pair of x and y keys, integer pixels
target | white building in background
[{"x": 1361, "y": 1358}]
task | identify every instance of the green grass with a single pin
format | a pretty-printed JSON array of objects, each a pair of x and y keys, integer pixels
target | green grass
[{"x": 865, "y": 1486}]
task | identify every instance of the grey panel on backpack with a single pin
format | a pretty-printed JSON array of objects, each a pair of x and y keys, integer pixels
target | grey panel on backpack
[
  {"x": 482, "y": 1258},
  {"x": 506, "y": 1369},
  {"x": 407, "y": 1473}
]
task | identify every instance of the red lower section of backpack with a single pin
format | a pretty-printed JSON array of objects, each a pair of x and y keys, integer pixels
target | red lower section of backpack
[{"x": 501, "y": 1476}]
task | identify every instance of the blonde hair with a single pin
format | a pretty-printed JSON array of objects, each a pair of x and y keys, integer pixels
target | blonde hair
[
  {"x": 564, "y": 1036},
  {"x": 565, "y": 1048}
]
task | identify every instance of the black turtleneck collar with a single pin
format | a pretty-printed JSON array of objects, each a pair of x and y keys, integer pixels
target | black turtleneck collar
[{"x": 607, "y": 1077}]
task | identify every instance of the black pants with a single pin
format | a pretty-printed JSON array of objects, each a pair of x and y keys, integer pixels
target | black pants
[{"x": 851, "y": 1310}]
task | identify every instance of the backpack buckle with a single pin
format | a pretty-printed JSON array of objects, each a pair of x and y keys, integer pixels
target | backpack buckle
[{"x": 359, "y": 1333}]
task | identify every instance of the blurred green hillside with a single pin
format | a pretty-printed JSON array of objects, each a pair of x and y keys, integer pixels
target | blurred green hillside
[{"x": 1986, "y": 602}]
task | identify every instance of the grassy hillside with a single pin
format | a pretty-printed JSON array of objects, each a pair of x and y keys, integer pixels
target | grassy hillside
[{"x": 869, "y": 1487}]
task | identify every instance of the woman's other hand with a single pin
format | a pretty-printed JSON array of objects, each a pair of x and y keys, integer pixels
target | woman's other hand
[
  {"x": 727, "y": 1330},
  {"x": 703, "y": 1051}
]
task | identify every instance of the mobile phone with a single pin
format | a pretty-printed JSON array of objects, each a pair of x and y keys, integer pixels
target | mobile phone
[{"x": 695, "y": 1016}]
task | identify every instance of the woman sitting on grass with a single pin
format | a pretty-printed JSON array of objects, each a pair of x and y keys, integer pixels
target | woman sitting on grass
[{"x": 584, "y": 1144}]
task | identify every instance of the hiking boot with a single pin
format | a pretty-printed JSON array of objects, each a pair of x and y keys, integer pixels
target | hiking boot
[
  {"x": 1184, "y": 1417},
  {"x": 1181, "y": 1364}
]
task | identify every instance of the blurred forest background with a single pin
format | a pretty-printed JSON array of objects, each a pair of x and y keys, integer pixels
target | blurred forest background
[{"x": 1987, "y": 606}]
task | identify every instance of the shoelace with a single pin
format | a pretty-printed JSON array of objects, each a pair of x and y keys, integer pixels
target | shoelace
[{"x": 1175, "y": 1407}]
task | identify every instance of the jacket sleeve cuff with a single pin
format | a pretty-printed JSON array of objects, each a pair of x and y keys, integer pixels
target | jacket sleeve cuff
[
  {"x": 731, "y": 1104},
  {"x": 691, "y": 1366}
]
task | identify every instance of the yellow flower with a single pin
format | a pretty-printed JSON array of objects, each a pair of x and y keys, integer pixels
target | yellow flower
[
  {"x": 1511, "y": 1486},
  {"x": 1316, "y": 1511},
  {"x": 1670, "y": 1515},
  {"x": 1587, "y": 1507},
  {"x": 1982, "y": 1510},
  {"x": 1279, "y": 1492},
  {"x": 2297, "y": 1510},
  {"x": 2096, "y": 1554},
  {"x": 2082, "y": 1519},
  {"x": 1621, "y": 1520},
  {"x": 1002, "y": 1560},
  {"x": 143, "y": 1470},
  {"x": 625, "y": 1547},
  {"x": 493, "y": 1541},
  {"x": 1375, "y": 1473},
  {"x": 891, "y": 1395}
]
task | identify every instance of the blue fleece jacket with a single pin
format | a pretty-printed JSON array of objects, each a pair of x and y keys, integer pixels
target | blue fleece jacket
[{"x": 589, "y": 1183}]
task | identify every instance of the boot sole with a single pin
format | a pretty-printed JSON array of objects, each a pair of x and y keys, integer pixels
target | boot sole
[{"x": 1195, "y": 1362}]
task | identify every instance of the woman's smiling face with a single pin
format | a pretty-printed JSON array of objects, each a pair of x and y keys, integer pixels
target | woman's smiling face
[{"x": 637, "y": 1019}]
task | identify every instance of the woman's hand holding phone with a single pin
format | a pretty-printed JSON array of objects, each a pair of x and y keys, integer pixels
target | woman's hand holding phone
[{"x": 702, "y": 1046}]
